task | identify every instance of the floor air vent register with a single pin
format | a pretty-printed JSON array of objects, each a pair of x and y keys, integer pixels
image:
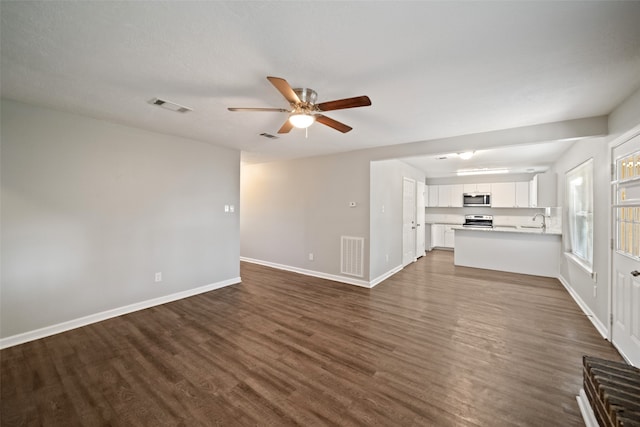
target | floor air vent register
[{"x": 351, "y": 255}]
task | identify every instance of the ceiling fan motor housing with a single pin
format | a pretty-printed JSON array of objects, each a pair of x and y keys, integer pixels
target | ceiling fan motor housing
[{"x": 306, "y": 95}]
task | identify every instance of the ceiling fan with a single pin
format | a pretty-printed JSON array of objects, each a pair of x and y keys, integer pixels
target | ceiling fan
[{"x": 304, "y": 110}]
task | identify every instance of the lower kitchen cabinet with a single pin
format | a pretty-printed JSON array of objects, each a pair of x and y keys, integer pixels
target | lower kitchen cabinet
[
  {"x": 449, "y": 241},
  {"x": 442, "y": 236},
  {"x": 437, "y": 235}
]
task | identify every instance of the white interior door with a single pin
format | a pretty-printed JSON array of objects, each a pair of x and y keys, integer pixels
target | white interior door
[
  {"x": 420, "y": 232},
  {"x": 408, "y": 221},
  {"x": 625, "y": 281}
]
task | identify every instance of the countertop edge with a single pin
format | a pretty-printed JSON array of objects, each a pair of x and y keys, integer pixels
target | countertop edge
[{"x": 498, "y": 229}]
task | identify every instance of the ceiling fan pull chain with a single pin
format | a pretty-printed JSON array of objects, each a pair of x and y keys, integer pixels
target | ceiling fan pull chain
[{"x": 306, "y": 133}]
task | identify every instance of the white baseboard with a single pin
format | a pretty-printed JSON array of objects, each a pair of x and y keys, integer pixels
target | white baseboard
[
  {"x": 98, "y": 317},
  {"x": 312, "y": 273},
  {"x": 384, "y": 276},
  {"x": 600, "y": 327},
  {"x": 588, "y": 416}
]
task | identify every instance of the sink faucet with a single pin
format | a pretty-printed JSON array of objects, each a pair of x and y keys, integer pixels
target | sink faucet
[{"x": 544, "y": 223}]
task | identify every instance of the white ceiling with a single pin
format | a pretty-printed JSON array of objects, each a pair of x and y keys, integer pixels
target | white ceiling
[{"x": 431, "y": 69}]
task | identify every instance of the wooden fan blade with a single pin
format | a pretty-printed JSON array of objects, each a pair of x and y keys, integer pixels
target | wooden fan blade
[
  {"x": 332, "y": 123},
  {"x": 341, "y": 104},
  {"x": 285, "y": 89},
  {"x": 279, "y": 110},
  {"x": 286, "y": 127}
]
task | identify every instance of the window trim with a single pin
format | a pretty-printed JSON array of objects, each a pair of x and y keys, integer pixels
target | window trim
[
  {"x": 579, "y": 262},
  {"x": 585, "y": 264}
]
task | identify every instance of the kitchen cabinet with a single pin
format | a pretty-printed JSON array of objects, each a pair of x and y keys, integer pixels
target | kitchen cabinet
[
  {"x": 543, "y": 190},
  {"x": 540, "y": 192},
  {"x": 437, "y": 235},
  {"x": 476, "y": 188},
  {"x": 444, "y": 195},
  {"x": 442, "y": 236},
  {"x": 510, "y": 194},
  {"x": 450, "y": 195},
  {"x": 503, "y": 194},
  {"x": 522, "y": 194},
  {"x": 449, "y": 233},
  {"x": 432, "y": 196}
]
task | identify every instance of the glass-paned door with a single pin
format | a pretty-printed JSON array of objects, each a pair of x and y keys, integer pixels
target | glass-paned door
[
  {"x": 627, "y": 205},
  {"x": 625, "y": 261}
]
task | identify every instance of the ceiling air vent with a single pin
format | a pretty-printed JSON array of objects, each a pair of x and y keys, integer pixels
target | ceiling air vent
[
  {"x": 268, "y": 135},
  {"x": 170, "y": 105}
]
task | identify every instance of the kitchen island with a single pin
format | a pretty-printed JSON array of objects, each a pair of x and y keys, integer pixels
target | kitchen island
[{"x": 522, "y": 250}]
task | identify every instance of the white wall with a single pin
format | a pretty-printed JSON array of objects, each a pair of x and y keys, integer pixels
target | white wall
[
  {"x": 91, "y": 210},
  {"x": 386, "y": 226},
  {"x": 624, "y": 118},
  {"x": 293, "y": 208},
  {"x": 571, "y": 273}
]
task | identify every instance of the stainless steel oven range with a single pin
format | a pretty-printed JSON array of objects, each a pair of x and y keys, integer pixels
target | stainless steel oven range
[{"x": 478, "y": 221}]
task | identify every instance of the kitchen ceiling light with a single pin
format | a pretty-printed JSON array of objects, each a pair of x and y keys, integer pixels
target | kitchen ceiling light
[
  {"x": 301, "y": 120},
  {"x": 466, "y": 155},
  {"x": 484, "y": 171}
]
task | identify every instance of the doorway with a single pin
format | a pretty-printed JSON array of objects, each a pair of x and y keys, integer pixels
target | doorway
[
  {"x": 420, "y": 232},
  {"x": 408, "y": 221},
  {"x": 625, "y": 260}
]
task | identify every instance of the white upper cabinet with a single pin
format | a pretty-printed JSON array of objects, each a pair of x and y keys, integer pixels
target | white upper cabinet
[
  {"x": 456, "y": 196},
  {"x": 484, "y": 188},
  {"x": 432, "y": 196},
  {"x": 503, "y": 194},
  {"x": 444, "y": 194},
  {"x": 510, "y": 194},
  {"x": 450, "y": 195},
  {"x": 543, "y": 190},
  {"x": 477, "y": 188},
  {"x": 522, "y": 194}
]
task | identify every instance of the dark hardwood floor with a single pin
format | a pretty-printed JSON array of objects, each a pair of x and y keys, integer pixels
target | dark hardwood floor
[{"x": 435, "y": 345}]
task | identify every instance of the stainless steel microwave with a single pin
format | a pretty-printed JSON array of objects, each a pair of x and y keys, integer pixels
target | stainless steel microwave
[{"x": 476, "y": 199}]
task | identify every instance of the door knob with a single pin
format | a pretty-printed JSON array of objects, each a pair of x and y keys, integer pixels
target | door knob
[{"x": 635, "y": 273}]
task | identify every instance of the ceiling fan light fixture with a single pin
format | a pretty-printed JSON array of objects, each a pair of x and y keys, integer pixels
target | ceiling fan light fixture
[{"x": 301, "y": 120}]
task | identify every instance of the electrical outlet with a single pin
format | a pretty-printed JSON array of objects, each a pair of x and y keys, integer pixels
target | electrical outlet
[
  {"x": 232, "y": 209},
  {"x": 158, "y": 277},
  {"x": 226, "y": 208},
  {"x": 310, "y": 256}
]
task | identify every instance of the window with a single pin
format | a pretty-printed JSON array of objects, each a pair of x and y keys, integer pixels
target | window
[
  {"x": 579, "y": 202},
  {"x": 627, "y": 207}
]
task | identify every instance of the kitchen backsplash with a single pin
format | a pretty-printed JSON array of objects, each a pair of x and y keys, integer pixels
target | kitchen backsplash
[{"x": 501, "y": 217}]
